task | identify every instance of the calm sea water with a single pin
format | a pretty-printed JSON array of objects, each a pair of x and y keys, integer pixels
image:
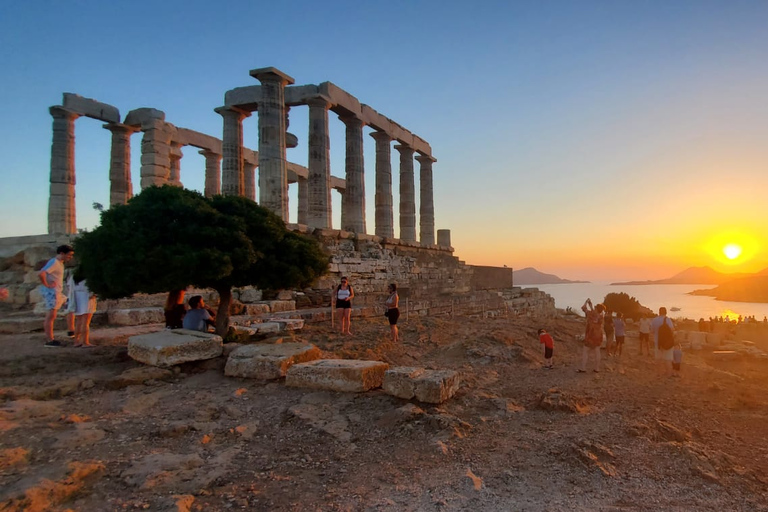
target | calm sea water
[{"x": 654, "y": 296}]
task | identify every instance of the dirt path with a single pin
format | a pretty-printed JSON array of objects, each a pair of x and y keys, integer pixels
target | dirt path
[{"x": 91, "y": 430}]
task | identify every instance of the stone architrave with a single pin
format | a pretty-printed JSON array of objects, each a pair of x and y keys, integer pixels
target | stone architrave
[
  {"x": 156, "y": 152},
  {"x": 407, "y": 194},
  {"x": 273, "y": 173},
  {"x": 61, "y": 202},
  {"x": 212, "y": 173},
  {"x": 384, "y": 214},
  {"x": 353, "y": 207},
  {"x": 232, "y": 164},
  {"x": 121, "y": 188},
  {"x": 426, "y": 201},
  {"x": 319, "y": 164},
  {"x": 175, "y": 155},
  {"x": 249, "y": 180}
]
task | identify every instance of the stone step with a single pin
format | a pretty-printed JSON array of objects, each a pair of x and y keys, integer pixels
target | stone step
[
  {"x": 430, "y": 386},
  {"x": 268, "y": 361},
  {"x": 337, "y": 375},
  {"x": 171, "y": 347}
]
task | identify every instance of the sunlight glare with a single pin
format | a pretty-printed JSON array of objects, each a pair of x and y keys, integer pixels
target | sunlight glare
[{"x": 732, "y": 251}]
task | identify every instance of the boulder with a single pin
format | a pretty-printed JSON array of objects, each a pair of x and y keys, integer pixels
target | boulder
[
  {"x": 429, "y": 386},
  {"x": 400, "y": 381},
  {"x": 337, "y": 375},
  {"x": 268, "y": 361},
  {"x": 171, "y": 347}
]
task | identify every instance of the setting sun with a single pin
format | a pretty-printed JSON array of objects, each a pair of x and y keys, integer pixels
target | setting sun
[{"x": 732, "y": 251}]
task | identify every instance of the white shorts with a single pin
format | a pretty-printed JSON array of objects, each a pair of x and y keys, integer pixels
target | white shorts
[{"x": 85, "y": 303}]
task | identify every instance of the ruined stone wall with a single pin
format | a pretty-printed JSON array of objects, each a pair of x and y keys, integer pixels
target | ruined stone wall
[{"x": 491, "y": 278}]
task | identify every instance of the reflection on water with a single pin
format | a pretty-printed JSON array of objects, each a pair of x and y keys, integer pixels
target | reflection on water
[{"x": 655, "y": 296}]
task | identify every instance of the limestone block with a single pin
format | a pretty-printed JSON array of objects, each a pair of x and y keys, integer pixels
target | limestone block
[
  {"x": 268, "y": 361},
  {"x": 281, "y": 305},
  {"x": 257, "y": 309},
  {"x": 139, "y": 116},
  {"x": 437, "y": 386},
  {"x": 31, "y": 277},
  {"x": 400, "y": 381},
  {"x": 171, "y": 347},
  {"x": 250, "y": 295},
  {"x": 266, "y": 328},
  {"x": 697, "y": 339},
  {"x": 337, "y": 375},
  {"x": 289, "y": 324},
  {"x": 285, "y": 295},
  {"x": 33, "y": 256},
  {"x": 136, "y": 316},
  {"x": 155, "y": 159},
  {"x": 91, "y": 108}
]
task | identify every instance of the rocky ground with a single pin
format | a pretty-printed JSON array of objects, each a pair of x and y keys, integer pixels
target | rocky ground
[{"x": 91, "y": 430}]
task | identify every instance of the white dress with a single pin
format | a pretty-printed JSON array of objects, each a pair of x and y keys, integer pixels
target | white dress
[{"x": 85, "y": 301}]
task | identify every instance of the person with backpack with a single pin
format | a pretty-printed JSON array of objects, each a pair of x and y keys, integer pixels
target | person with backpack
[{"x": 664, "y": 340}]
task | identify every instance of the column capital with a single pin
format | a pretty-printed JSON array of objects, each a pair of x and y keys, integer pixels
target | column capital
[
  {"x": 404, "y": 149},
  {"x": 207, "y": 153},
  {"x": 58, "y": 111},
  {"x": 351, "y": 120},
  {"x": 381, "y": 136},
  {"x": 232, "y": 111},
  {"x": 271, "y": 74},
  {"x": 422, "y": 158},
  {"x": 319, "y": 101},
  {"x": 121, "y": 128}
]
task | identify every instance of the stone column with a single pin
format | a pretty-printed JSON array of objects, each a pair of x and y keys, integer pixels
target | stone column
[
  {"x": 61, "y": 201},
  {"x": 232, "y": 178},
  {"x": 273, "y": 174},
  {"x": 383, "y": 198},
  {"x": 426, "y": 201},
  {"x": 249, "y": 181},
  {"x": 303, "y": 201},
  {"x": 156, "y": 153},
  {"x": 444, "y": 237},
  {"x": 407, "y": 194},
  {"x": 319, "y": 163},
  {"x": 353, "y": 207},
  {"x": 212, "y": 173},
  {"x": 175, "y": 154},
  {"x": 120, "y": 186}
]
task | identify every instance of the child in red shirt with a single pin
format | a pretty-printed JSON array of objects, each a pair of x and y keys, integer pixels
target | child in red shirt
[{"x": 549, "y": 346}]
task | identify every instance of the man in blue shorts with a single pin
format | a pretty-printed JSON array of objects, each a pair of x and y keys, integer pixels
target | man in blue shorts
[{"x": 52, "y": 278}]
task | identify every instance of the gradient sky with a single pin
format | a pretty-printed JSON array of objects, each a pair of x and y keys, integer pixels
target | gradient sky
[{"x": 593, "y": 140}]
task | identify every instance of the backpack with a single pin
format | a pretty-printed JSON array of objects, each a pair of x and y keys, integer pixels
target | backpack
[{"x": 666, "y": 336}]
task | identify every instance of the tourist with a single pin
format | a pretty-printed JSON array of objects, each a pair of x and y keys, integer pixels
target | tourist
[
  {"x": 645, "y": 335},
  {"x": 69, "y": 279},
  {"x": 3, "y": 293},
  {"x": 83, "y": 309},
  {"x": 174, "y": 310},
  {"x": 610, "y": 341},
  {"x": 663, "y": 356},
  {"x": 344, "y": 295},
  {"x": 393, "y": 312},
  {"x": 677, "y": 359},
  {"x": 549, "y": 347},
  {"x": 593, "y": 335},
  {"x": 52, "y": 278},
  {"x": 619, "y": 328},
  {"x": 198, "y": 318}
]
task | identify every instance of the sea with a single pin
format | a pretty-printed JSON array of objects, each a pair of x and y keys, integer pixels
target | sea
[{"x": 654, "y": 296}]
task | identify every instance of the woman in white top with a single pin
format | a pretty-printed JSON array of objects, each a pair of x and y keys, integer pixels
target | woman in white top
[
  {"x": 344, "y": 295},
  {"x": 84, "y": 308},
  {"x": 393, "y": 313}
]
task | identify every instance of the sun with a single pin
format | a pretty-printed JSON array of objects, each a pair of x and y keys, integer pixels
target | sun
[{"x": 732, "y": 251}]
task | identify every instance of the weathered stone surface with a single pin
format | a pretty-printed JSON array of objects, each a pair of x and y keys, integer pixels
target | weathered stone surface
[
  {"x": 250, "y": 295},
  {"x": 257, "y": 309},
  {"x": 91, "y": 108},
  {"x": 437, "y": 386},
  {"x": 268, "y": 361},
  {"x": 400, "y": 381},
  {"x": 288, "y": 324},
  {"x": 136, "y": 316},
  {"x": 281, "y": 305},
  {"x": 171, "y": 347},
  {"x": 430, "y": 386},
  {"x": 337, "y": 375}
]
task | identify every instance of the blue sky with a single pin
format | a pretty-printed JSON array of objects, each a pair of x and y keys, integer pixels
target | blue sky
[{"x": 590, "y": 139}]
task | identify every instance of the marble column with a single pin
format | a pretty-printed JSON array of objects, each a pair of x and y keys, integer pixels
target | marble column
[
  {"x": 156, "y": 153},
  {"x": 444, "y": 237},
  {"x": 273, "y": 173},
  {"x": 249, "y": 180},
  {"x": 384, "y": 215},
  {"x": 319, "y": 163},
  {"x": 175, "y": 155},
  {"x": 61, "y": 201},
  {"x": 303, "y": 201},
  {"x": 120, "y": 186},
  {"x": 426, "y": 201},
  {"x": 212, "y": 173},
  {"x": 407, "y": 194},
  {"x": 353, "y": 207},
  {"x": 232, "y": 170}
]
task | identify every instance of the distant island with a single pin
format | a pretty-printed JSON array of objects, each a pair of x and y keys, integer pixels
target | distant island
[
  {"x": 736, "y": 287},
  {"x": 693, "y": 275},
  {"x": 530, "y": 275}
]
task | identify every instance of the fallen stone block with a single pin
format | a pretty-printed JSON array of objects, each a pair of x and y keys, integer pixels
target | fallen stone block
[
  {"x": 257, "y": 309},
  {"x": 266, "y": 327},
  {"x": 276, "y": 306},
  {"x": 337, "y": 375},
  {"x": 289, "y": 324},
  {"x": 171, "y": 347},
  {"x": 136, "y": 316},
  {"x": 268, "y": 361},
  {"x": 430, "y": 386}
]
